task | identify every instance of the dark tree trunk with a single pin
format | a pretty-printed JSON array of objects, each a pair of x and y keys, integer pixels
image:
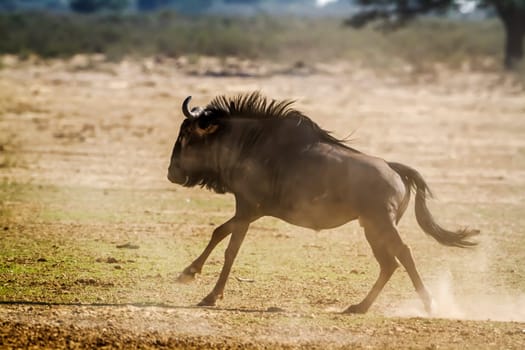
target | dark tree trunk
[{"x": 513, "y": 17}]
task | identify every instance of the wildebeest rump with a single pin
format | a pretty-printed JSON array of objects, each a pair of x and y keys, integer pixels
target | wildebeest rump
[{"x": 278, "y": 162}]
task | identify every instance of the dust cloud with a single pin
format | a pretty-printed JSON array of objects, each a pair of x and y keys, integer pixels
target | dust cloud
[
  {"x": 482, "y": 297},
  {"x": 448, "y": 303}
]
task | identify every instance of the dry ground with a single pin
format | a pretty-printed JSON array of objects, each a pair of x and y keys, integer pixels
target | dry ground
[{"x": 84, "y": 149}]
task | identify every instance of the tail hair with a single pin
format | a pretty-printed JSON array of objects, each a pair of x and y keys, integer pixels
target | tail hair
[{"x": 415, "y": 182}]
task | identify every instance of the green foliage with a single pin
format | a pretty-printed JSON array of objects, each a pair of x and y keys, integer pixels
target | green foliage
[
  {"x": 90, "y": 6},
  {"x": 7, "y": 5},
  {"x": 191, "y": 6},
  {"x": 290, "y": 39},
  {"x": 150, "y": 5},
  {"x": 186, "y": 6},
  {"x": 17, "y": 5}
]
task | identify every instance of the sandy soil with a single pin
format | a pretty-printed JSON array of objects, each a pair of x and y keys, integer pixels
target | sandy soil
[{"x": 110, "y": 127}]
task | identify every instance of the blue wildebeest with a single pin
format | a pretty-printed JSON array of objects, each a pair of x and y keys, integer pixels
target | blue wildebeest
[{"x": 278, "y": 162}]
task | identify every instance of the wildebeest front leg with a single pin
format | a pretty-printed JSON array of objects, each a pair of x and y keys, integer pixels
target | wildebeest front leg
[
  {"x": 188, "y": 274},
  {"x": 238, "y": 234}
]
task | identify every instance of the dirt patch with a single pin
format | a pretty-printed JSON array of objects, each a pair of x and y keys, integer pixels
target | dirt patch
[
  {"x": 152, "y": 326},
  {"x": 94, "y": 236}
]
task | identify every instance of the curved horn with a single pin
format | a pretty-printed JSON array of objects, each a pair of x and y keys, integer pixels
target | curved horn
[{"x": 187, "y": 113}]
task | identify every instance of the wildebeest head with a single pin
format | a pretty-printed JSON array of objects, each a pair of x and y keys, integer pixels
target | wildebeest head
[
  {"x": 189, "y": 163},
  {"x": 219, "y": 143}
]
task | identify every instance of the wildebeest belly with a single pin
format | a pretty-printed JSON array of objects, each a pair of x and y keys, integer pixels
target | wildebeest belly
[
  {"x": 315, "y": 202},
  {"x": 319, "y": 214},
  {"x": 323, "y": 191}
]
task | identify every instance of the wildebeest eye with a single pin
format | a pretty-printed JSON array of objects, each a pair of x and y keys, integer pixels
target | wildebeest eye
[
  {"x": 207, "y": 121},
  {"x": 203, "y": 122}
]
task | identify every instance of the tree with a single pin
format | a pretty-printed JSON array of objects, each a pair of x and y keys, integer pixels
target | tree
[
  {"x": 398, "y": 12},
  {"x": 151, "y": 5},
  {"x": 90, "y": 6},
  {"x": 192, "y": 6},
  {"x": 7, "y": 5},
  {"x": 185, "y": 6},
  {"x": 250, "y": 2}
]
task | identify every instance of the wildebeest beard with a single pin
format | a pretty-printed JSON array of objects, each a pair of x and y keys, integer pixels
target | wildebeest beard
[{"x": 209, "y": 179}]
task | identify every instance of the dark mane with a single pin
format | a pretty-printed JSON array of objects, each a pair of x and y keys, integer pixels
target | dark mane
[
  {"x": 256, "y": 106},
  {"x": 252, "y": 105}
]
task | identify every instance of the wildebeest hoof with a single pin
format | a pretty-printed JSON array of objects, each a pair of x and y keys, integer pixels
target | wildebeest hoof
[
  {"x": 355, "y": 309},
  {"x": 185, "y": 278},
  {"x": 207, "y": 301}
]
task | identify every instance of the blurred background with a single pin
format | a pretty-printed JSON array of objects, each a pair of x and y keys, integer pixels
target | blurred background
[{"x": 387, "y": 34}]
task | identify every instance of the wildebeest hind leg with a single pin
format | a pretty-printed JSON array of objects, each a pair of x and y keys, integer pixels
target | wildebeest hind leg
[
  {"x": 221, "y": 232},
  {"x": 387, "y": 264},
  {"x": 403, "y": 254}
]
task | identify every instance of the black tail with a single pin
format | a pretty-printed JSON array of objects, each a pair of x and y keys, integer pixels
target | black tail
[{"x": 414, "y": 180}]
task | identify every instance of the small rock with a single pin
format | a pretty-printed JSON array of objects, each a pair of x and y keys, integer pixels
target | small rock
[
  {"x": 111, "y": 260},
  {"x": 88, "y": 281},
  {"x": 41, "y": 260},
  {"x": 274, "y": 309},
  {"x": 241, "y": 279},
  {"x": 127, "y": 246}
]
